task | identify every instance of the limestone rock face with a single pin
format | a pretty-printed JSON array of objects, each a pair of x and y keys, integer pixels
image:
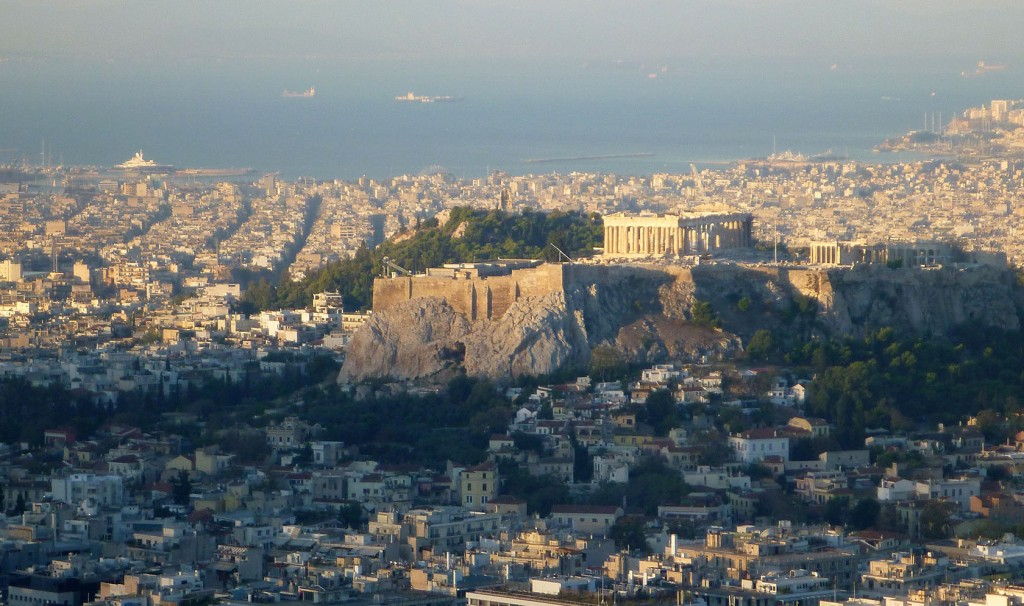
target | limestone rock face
[
  {"x": 645, "y": 312},
  {"x": 417, "y": 339},
  {"x": 653, "y": 339},
  {"x": 925, "y": 302},
  {"x": 535, "y": 336}
]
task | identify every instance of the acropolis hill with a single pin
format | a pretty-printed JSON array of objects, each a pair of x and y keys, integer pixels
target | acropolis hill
[
  {"x": 501, "y": 321},
  {"x": 484, "y": 291}
]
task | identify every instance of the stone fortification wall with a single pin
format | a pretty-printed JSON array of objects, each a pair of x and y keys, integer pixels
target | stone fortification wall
[{"x": 477, "y": 298}]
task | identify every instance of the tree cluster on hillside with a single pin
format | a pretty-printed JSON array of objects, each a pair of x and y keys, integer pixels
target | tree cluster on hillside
[
  {"x": 483, "y": 235},
  {"x": 451, "y": 425},
  {"x": 27, "y": 410},
  {"x": 886, "y": 381}
]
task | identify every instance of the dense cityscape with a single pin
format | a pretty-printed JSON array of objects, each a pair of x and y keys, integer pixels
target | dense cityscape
[
  {"x": 170, "y": 439},
  {"x": 757, "y": 379}
]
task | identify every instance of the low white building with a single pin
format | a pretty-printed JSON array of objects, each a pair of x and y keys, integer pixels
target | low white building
[
  {"x": 717, "y": 478},
  {"x": 896, "y": 489},
  {"x": 610, "y": 469},
  {"x": 77, "y": 487},
  {"x": 958, "y": 490},
  {"x": 755, "y": 445}
]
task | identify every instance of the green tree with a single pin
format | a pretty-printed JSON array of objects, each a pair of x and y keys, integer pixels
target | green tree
[
  {"x": 889, "y": 519},
  {"x": 607, "y": 363},
  {"x": 181, "y": 488},
  {"x": 351, "y": 515},
  {"x": 661, "y": 412},
  {"x": 864, "y": 514},
  {"x": 541, "y": 493},
  {"x": 305, "y": 456},
  {"x": 629, "y": 532},
  {"x": 703, "y": 314},
  {"x": 935, "y": 520},
  {"x": 651, "y": 484},
  {"x": 837, "y": 511},
  {"x": 761, "y": 345},
  {"x": 582, "y": 462}
]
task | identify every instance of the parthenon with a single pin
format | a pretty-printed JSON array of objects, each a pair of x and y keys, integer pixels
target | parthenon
[{"x": 650, "y": 235}]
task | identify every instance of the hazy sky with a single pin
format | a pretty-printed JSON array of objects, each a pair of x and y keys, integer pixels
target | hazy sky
[{"x": 440, "y": 30}]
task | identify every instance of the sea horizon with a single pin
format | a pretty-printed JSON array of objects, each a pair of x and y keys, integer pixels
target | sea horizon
[{"x": 629, "y": 118}]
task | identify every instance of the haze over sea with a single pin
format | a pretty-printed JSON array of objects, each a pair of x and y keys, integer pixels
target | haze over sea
[{"x": 230, "y": 112}]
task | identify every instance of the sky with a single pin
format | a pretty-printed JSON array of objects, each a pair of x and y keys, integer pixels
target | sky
[{"x": 463, "y": 31}]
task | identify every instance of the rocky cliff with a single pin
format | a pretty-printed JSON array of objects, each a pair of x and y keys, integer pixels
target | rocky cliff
[
  {"x": 646, "y": 313},
  {"x": 418, "y": 339}
]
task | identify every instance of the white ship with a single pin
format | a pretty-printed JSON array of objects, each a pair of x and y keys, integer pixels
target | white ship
[
  {"x": 414, "y": 98},
  {"x": 309, "y": 92},
  {"x": 138, "y": 163}
]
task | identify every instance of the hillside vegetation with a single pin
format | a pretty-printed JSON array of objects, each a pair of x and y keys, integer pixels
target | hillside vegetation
[{"x": 468, "y": 235}]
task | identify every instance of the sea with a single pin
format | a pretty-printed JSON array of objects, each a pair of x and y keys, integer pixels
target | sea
[{"x": 607, "y": 115}]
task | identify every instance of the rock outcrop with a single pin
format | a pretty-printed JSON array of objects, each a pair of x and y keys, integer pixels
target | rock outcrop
[
  {"x": 646, "y": 313},
  {"x": 535, "y": 336},
  {"x": 418, "y": 339},
  {"x": 654, "y": 339},
  {"x": 929, "y": 301}
]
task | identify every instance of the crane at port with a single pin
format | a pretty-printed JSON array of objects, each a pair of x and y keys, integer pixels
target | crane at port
[{"x": 392, "y": 269}]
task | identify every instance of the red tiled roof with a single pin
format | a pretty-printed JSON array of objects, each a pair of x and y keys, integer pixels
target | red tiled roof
[{"x": 761, "y": 433}]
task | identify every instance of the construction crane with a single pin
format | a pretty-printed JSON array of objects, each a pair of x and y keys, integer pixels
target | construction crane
[
  {"x": 696, "y": 177},
  {"x": 395, "y": 269},
  {"x": 561, "y": 253}
]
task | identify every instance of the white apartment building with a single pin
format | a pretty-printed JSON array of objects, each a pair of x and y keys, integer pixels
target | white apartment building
[
  {"x": 77, "y": 487},
  {"x": 755, "y": 445}
]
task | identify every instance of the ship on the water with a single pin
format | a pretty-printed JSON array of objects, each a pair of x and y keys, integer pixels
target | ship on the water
[
  {"x": 214, "y": 172},
  {"x": 411, "y": 97},
  {"x": 139, "y": 164},
  {"x": 983, "y": 68},
  {"x": 305, "y": 94}
]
